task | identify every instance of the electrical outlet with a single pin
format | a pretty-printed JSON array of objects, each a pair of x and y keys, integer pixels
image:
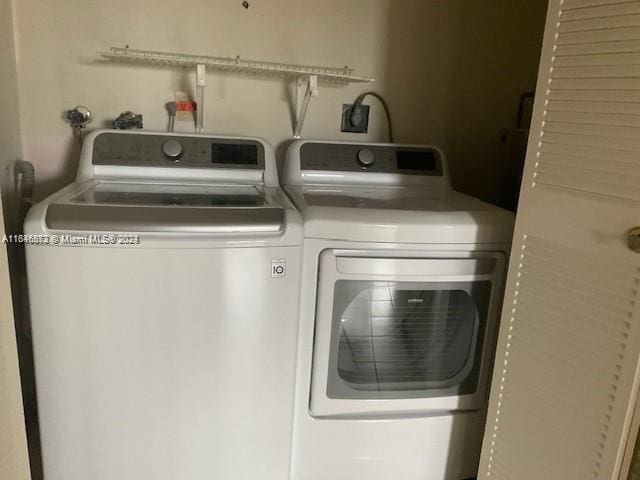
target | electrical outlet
[{"x": 347, "y": 122}]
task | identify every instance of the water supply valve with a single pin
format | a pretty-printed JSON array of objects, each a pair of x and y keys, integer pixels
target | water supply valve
[
  {"x": 128, "y": 121},
  {"x": 78, "y": 117}
]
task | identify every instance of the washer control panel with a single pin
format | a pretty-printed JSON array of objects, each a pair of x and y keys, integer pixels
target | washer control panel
[
  {"x": 176, "y": 151},
  {"x": 370, "y": 158}
]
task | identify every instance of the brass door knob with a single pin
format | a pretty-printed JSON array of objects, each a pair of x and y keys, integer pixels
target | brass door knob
[{"x": 633, "y": 239}]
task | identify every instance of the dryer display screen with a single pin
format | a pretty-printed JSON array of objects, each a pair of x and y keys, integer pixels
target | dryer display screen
[
  {"x": 234, "y": 154},
  {"x": 416, "y": 160}
]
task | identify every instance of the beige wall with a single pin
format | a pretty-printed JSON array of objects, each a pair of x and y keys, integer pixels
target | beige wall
[
  {"x": 452, "y": 70},
  {"x": 10, "y": 150},
  {"x": 13, "y": 445}
]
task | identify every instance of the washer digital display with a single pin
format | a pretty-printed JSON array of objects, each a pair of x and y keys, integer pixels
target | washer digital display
[{"x": 234, "y": 154}]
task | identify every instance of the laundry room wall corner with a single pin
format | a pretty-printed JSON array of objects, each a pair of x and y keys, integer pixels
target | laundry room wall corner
[{"x": 495, "y": 52}]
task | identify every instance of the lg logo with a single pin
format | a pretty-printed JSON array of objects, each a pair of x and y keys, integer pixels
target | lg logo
[{"x": 278, "y": 268}]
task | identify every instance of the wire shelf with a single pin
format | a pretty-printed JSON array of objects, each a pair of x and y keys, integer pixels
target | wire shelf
[
  {"x": 306, "y": 76},
  {"x": 331, "y": 74}
]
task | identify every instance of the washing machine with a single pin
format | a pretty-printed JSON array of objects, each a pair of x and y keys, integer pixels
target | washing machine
[
  {"x": 163, "y": 286},
  {"x": 401, "y": 287}
]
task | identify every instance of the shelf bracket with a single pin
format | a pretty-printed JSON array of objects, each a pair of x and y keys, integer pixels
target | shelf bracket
[
  {"x": 201, "y": 71},
  {"x": 306, "y": 87}
]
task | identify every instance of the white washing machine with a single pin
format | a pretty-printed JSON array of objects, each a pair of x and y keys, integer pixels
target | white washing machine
[
  {"x": 164, "y": 301},
  {"x": 401, "y": 289}
]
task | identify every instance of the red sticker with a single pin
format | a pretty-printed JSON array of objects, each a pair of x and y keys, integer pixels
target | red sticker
[{"x": 186, "y": 106}]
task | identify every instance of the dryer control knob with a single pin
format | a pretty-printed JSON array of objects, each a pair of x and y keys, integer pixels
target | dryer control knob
[
  {"x": 366, "y": 157},
  {"x": 172, "y": 149}
]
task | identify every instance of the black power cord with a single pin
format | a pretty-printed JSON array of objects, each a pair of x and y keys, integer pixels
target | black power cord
[{"x": 356, "y": 112}]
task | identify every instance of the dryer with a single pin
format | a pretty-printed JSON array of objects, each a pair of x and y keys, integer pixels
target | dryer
[
  {"x": 402, "y": 280},
  {"x": 163, "y": 286}
]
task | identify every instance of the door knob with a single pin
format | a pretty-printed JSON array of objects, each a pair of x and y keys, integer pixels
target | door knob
[{"x": 633, "y": 239}]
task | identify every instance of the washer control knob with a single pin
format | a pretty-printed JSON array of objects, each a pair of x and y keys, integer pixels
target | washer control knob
[
  {"x": 172, "y": 149},
  {"x": 366, "y": 158}
]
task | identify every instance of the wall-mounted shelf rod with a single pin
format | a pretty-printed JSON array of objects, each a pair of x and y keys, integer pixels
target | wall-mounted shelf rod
[{"x": 306, "y": 76}]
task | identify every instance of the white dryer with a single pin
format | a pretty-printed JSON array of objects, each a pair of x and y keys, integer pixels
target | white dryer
[
  {"x": 164, "y": 300},
  {"x": 401, "y": 289}
]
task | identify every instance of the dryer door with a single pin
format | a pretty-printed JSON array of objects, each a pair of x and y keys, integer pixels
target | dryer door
[{"x": 404, "y": 335}]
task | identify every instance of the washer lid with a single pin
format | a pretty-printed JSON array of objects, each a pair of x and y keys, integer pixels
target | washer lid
[
  {"x": 171, "y": 195},
  {"x": 148, "y": 207}
]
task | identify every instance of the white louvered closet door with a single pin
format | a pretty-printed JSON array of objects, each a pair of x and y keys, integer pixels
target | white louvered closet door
[{"x": 566, "y": 373}]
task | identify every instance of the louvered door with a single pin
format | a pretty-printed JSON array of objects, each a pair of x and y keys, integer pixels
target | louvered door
[{"x": 566, "y": 372}]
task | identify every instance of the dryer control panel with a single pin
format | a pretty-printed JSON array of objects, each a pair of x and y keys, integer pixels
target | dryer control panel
[
  {"x": 370, "y": 158},
  {"x": 177, "y": 151}
]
